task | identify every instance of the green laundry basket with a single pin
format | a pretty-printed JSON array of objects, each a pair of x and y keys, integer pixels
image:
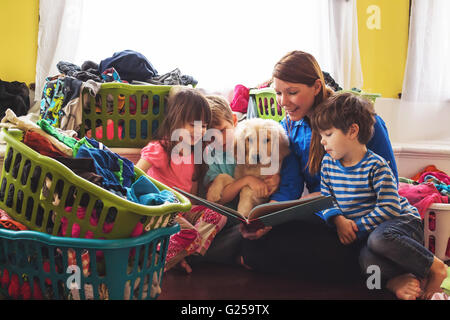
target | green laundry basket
[
  {"x": 369, "y": 96},
  {"x": 267, "y": 107},
  {"x": 35, "y": 265},
  {"x": 266, "y": 104},
  {"x": 46, "y": 196},
  {"x": 123, "y": 115}
]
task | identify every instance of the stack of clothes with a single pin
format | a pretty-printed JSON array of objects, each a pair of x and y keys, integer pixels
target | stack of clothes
[
  {"x": 61, "y": 102},
  {"x": 428, "y": 186},
  {"x": 96, "y": 163}
]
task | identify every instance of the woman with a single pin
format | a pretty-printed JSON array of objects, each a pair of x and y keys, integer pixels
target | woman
[{"x": 308, "y": 245}]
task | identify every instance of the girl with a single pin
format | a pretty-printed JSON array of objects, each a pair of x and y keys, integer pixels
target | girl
[{"x": 171, "y": 159}]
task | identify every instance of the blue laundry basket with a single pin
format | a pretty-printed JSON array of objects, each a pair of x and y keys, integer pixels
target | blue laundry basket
[{"x": 124, "y": 269}]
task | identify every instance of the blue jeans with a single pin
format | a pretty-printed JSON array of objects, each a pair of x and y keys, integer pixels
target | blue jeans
[{"x": 396, "y": 247}]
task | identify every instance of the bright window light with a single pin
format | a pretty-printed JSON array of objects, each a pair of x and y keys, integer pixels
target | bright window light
[{"x": 219, "y": 43}]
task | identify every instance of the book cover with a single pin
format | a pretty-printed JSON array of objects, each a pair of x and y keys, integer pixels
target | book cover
[{"x": 269, "y": 214}]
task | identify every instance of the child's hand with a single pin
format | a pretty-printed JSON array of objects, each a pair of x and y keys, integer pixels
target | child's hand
[
  {"x": 346, "y": 229},
  {"x": 272, "y": 182},
  {"x": 258, "y": 186}
]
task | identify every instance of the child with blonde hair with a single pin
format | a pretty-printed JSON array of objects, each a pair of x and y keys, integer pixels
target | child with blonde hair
[
  {"x": 368, "y": 210},
  {"x": 171, "y": 159},
  {"x": 222, "y": 160}
]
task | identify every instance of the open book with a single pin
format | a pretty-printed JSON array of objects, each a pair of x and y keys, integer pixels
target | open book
[{"x": 269, "y": 214}]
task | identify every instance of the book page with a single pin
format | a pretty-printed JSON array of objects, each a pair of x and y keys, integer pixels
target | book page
[
  {"x": 212, "y": 205},
  {"x": 267, "y": 208}
]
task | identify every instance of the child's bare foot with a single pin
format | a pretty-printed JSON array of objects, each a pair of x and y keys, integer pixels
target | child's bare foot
[
  {"x": 437, "y": 274},
  {"x": 405, "y": 287}
]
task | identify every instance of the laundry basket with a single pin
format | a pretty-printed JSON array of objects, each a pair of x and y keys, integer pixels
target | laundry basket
[
  {"x": 437, "y": 230},
  {"x": 46, "y": 196},
  {"x": 267, "y": 108},
  {"x": 369, "y": 96},
  {"x": 266, "y": 104},
  {"x": 34, "y": 265},
  {"x": 123, "y": 115}
]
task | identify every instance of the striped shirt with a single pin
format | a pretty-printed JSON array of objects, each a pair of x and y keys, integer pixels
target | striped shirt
[{"x": 365, "y": 193}]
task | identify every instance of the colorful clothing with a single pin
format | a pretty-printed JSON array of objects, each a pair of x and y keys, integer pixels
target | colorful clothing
[
  {"x": 294, "y": 172},
  {"x": 173, "y": 175},
  {"x": 200, "y": 225},
  {"x": 225, "y": 164},
  {"x": 365, "y": 193}
]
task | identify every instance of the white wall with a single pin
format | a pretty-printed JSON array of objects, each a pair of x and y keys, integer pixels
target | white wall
[{"x": 419, "y": 132}]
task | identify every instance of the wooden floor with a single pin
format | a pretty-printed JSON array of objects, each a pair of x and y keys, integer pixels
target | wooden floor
[{"x": 220, "y": 282}]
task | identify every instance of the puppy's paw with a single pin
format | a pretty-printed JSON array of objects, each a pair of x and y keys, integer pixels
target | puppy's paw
[{"x": 214, "y": 193}]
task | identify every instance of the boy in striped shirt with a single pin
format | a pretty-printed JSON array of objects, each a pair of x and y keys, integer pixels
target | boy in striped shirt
[{"x": 367, "y": 206}]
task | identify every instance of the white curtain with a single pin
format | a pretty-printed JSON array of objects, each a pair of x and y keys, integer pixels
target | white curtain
[
  {"x": 219, "y": 43},
  {"x": 58, "y": 36},
  {"x": 343, "y": 32},
  {"x": 427, "y": 73}
]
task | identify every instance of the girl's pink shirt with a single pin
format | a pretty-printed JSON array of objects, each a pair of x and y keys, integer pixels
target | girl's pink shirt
[{"x": 175, "y": 175}]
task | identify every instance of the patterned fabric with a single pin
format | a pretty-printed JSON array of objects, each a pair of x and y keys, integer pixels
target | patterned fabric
[
  {"x": 199, "y": 227},
  {"x": 366, "y": 192}
]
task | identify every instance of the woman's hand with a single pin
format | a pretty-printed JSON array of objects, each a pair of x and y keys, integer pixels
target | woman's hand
[
  {"x": 346, "y": 229},
  {"x": 253, "y": 235}
]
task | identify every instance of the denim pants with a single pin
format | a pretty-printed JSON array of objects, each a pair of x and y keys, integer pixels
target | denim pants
[{"x": 396, "y": 247}]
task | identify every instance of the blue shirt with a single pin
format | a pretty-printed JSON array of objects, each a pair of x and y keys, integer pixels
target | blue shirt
[
  {"x": 294, "y": 172},
  {"x": 220, "y": 163},
  {"x": 365, "y": 193}
]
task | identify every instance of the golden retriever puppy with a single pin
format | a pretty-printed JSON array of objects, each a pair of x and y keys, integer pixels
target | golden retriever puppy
[{"x": 260, "y": 145}]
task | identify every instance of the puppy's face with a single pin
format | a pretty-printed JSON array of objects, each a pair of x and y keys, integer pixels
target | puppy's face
[{"x": 260, "y": 142}]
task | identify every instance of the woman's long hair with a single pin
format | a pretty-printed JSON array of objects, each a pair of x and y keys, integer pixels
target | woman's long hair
[{"x": 302, "y": 67}]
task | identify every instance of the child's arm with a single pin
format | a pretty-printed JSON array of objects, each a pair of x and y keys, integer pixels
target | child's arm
[
  {"x": 326, "y": 190},
  {"x": 144, "y": 165},
  {"x": 232, "y": 190},
  {"x": 273, "y": 182},
  {"x": 388, "y": 201}
]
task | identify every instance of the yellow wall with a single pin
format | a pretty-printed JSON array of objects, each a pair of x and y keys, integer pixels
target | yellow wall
[
  {"x": 383, "y": 51},
  {"x": 19, "y": 24}
]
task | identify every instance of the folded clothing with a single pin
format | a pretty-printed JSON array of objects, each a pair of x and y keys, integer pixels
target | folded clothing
[
  {"x": 144, "y": 191},
  {"x": 421, "y": 196}
]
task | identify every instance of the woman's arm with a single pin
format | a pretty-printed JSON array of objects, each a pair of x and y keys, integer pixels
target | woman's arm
[
  {"x": 381, "y": 145},
  {"x": 291, "y": 180}
]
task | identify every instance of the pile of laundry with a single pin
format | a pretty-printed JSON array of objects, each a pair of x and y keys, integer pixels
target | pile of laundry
[
  {"x": 94, "y": 162},
  {"x": 11, "y": 283},
  {"x": 428, "y": 186},
  {"x": 61, "y": 102},
  {"x": 14, "y": 95},
  {"x": 88, "y": 158}
]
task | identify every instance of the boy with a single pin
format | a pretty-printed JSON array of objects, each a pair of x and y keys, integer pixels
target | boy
[
  {"x": 225, "y": 121},
  {"x": 367, "y": 205}
]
